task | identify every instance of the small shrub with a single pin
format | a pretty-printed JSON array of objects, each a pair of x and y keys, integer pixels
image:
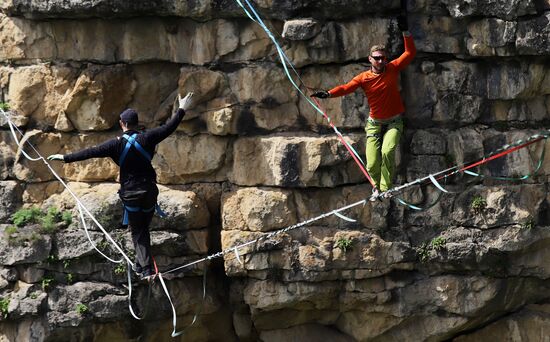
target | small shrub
[
  {"x": 27, "y": 215},
  {"x": 4, "y": 304},
  {"x": 54, "y": 213},
  {"x": 67, "y": 218},
  {"x": 438, "y": 243},
  {"x": 423, "y": 252},
  {"x": 120, "y": 268},
  {"x": 478, "y": 204},
  {"x": 528, "y": 224},
  {"x": 46, "y": 283},
  {"x": 10, "y": 231},
  {"x": 34, "y": 295},
  {"x": 48, "y": 224},
  {"x": 50, "y": 220},
  {"x": 103, "y": 244},
  {"x": 66, "y": 263},
  {"x": 344, "y": 244},
  {"x": 70, "y": 278},
  {"x": 4, "y": 106},
  {"x": 81, "y": 308},
  {"x": 52, "y": 258}
]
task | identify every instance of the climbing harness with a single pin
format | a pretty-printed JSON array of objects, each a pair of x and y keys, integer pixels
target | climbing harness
[{"x": 131, "y": 141}]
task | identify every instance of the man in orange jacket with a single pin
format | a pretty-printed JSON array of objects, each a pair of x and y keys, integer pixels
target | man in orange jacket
[{"x": 385, "y": 123}]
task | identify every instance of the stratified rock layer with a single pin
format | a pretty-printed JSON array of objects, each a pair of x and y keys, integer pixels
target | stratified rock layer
[{"x": 253, "y": 156}]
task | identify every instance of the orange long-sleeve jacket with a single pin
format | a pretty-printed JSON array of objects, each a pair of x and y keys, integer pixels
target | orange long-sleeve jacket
[{"x": 382, "y": 90}]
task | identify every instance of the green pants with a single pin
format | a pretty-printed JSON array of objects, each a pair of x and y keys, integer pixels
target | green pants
[{"x": 382, "y": 140}]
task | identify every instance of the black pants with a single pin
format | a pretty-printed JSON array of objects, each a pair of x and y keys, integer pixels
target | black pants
[{"x": 139, "y": 222}]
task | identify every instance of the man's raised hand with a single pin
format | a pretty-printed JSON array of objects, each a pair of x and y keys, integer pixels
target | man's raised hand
[{"x": 185, "y": 103}]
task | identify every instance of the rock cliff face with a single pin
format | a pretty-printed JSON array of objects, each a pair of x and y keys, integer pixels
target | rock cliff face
[{"x": 252, "y": 157}]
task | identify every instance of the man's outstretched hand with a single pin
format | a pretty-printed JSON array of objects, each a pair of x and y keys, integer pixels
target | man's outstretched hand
[
  {"x": 322, "y": 94},
  {"x": 56, "y": 157},
  {"x": 403, "y": 23},
  {"x": 186, "y": 102}
]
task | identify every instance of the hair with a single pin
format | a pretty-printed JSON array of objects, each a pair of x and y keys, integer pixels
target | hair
[
  {"x": 130, "y": 124},
  {"x": 378, "y": 47}
]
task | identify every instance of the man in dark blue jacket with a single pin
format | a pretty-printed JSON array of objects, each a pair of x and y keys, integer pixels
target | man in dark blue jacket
[{"x": 133, "y": 152}]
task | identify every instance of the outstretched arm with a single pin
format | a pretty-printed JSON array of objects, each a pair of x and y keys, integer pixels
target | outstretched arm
[
  {"x": 410, "y": 49},
  {"x": 347, "y": 88},
  {"x": 107, "y": 149}
]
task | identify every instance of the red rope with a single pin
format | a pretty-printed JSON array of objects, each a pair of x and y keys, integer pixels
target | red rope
[
  {"x": 357, "y": 161},
  {"x": 498, "y": 155}
]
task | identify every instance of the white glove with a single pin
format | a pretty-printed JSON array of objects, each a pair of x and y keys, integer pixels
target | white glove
[
  {"x": 185, "y": 103},
  {"x": 56, "y": 157}
]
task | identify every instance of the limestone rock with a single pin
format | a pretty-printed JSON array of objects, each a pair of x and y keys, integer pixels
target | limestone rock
[
  {"x": 301, "y": 29},
  {"x": 99, "y": 95},
  {"x": 50, "y": 143},
  {"x": 349, "y": 111},
  {"x": 184, "y": 209},
  {"x": 102, "y": 300},
  {"x": 491, "y": 36},
  {"x": 353, "y": 39},
  {"x": 182, "y": 159},
  {"x": 202, "y": 9},
  {"x": 532, "y": 109},
  {"x": 284, "y": 160},
  {"x": 10, "y": 199},
  {"x": 27, "y": 245},
  {"x": 306, "y": 331},
  {"x": 26, "y": 300},
  {"x": 507, "y": 9},
  {"x": 258, "y": 210},
  {"x": 39, "y": 93},
  {"x": 428, "y": 142},
  {"x": 125, "y": 40},
  {"x": 530, "y": 323},
  {"x": 533, "y": 36},
  {"x": 173, "y": 244},
  {"x": 446, "y": 34},
  {"x": 65, "y": 241},
  {"x": 518, "y": 80}
]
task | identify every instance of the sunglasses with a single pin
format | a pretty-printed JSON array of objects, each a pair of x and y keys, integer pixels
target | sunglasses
[{"x": 378, "y": 58}]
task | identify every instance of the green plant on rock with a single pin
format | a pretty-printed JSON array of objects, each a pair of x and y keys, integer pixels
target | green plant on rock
[
  {"x": 50, "y": 220},
  {"x": 120, "y": 268},
  {"x": 26, "y": 215},
  {"x": 70, "y": 278},
  {"x": 423, "y": 252},
  {"x": 81, "y": 308},
  {"x": 528, "y": 224},
  {"x": 67, "y": 218},
  {"x": 438, "y": 243},
  {"x": 103, "y": 244},
  {"x": 52, "y": 258},
  {"x": 46, "y": 283},
  {"x": 4, "y": 106},
  {"x": 10, "y": 231},
  {"x": 34, "y": 295},
  {"x": 478, "y": 204},
  {"x": 66, "y": 263},
  {"x": 4, "y": 304},
  {"x": 344, "y": 244}
]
